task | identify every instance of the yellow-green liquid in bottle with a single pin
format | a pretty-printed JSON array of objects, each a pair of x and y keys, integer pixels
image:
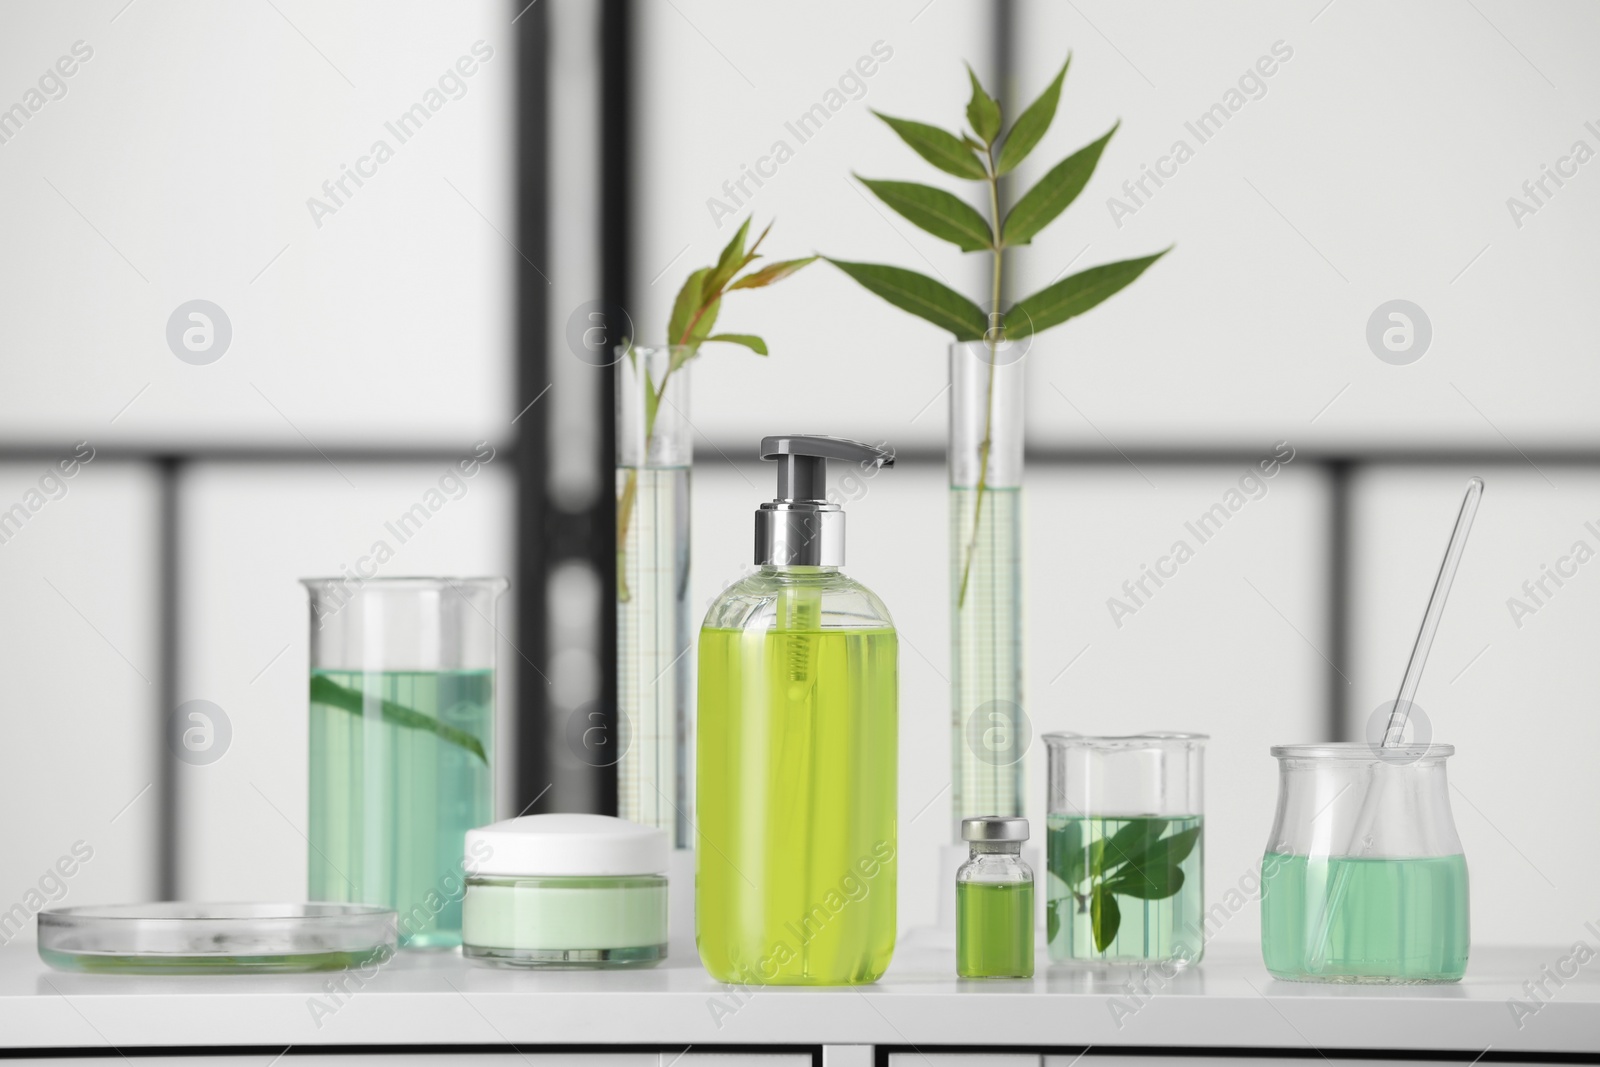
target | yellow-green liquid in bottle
[
  {"x": 994, "y": 929},
  {"x": 796, "y": 771}
]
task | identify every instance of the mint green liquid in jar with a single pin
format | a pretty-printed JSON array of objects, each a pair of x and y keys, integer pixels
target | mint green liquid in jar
[{"x": 1364, "y": 880}]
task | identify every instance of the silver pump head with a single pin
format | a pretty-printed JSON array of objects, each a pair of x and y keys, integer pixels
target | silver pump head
[{"x": 800, "y": 528}]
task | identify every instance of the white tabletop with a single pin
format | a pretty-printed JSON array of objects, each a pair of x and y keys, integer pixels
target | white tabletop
[{"x": 438, "y": 998}]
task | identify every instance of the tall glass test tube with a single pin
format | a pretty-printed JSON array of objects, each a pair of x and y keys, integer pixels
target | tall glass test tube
[
  {"x": 654, "y": 451},
  {"x": 989, "y": 731}
]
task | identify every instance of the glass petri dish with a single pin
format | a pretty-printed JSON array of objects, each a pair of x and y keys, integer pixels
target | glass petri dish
[{"x": 180, "y": 938}]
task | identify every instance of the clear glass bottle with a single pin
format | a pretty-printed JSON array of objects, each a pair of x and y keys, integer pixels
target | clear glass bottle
[
  {"x": 402, "y": 743},
  {"x": 1364, "y": 878},
  {"x": 655, "y": 448},
  {"x": 989, "y": 731},
  {"x": 797, "y": 749},
  {"x": 1126, "y": 848},
  {"x": 994, "y": 901}
]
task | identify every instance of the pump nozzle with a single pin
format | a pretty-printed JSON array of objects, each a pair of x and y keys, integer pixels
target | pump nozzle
[{"x": 800, "y": 527}]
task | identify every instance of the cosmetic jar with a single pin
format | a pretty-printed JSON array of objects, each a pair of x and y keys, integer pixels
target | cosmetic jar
[{"x": 565, "y": 891}]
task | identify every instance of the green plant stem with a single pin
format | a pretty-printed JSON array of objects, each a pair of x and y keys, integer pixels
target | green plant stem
[
  {"x": 630, "y": 489},
  {"x": 992, "y": 336}
]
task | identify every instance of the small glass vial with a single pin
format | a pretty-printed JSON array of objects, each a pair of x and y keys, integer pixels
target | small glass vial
[{"x": 994, "y": 901}]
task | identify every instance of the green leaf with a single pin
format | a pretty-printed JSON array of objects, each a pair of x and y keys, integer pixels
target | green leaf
[
  {"x": 1105, "y": 916},
  {"x": 701, "y": 329},
  {"x": 939, "y": 147},
  {"x": 1174, "y": 849},
  {"x": 1039, "y": 206},
  {"x": 1052, "y": 918},
  {"x": 331, "y": 694},
  {"x": 772, "y": 272},
  {"x": 1147, "y": 883},
  {"x": 983, "y": 111},
  {"x": 920, "y": 295},
  {"x": 749, "y": 340},
  {"x": 733, "y": 251},
  {"x": 1072, "y": 296},
  {"x": 652, "y": 398},
  {"x": 733, "y": 260},
  {"x": 1066, "y": 853},
  {"x": 1094, "y": 859},
  {"x": 1131, "y": 841},
  {"x": 1031, "y": 125},
  {"x": 940, "y": 213},
  {"x": 684, "y": 307}
]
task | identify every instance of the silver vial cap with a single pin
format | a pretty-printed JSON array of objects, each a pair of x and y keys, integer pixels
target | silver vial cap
[{"x": 994, "y": 828}]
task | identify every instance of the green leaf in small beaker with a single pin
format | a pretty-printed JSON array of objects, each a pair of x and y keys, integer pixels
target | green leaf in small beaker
[
  {"x": 1147, "y": 883},
  {"x": 1132, "y": 841},
  {"x": 1106, "y": 917}
]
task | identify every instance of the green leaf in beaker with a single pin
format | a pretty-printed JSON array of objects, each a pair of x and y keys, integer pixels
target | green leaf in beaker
[
  {"x": 329, "y": 693},
  {"x": 1066, "y": 853},
  {"x": 1105, "y": 915},
  {"x": 1131, "y": 841},
  {"x": 1052, "y": 917},
  {"x": 1147, "y": 883}
]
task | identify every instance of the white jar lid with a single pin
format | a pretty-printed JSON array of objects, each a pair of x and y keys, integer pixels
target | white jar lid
[{"x": 571, "y": 844}]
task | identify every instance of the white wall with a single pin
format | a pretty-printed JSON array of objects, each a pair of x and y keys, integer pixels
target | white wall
[{"x": 178, "y": 165}]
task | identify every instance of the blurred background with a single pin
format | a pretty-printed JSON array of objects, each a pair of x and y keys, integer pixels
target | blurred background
[{"x": 376, "y": 316}]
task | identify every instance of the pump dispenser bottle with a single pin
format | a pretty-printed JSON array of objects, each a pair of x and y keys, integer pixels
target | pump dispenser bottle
[{"x": 797, "y": 748}]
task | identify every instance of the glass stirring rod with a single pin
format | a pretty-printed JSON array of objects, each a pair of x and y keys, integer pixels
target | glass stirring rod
[
  {"x": 1361, "y": 835},
  {"x": 1430, "y": 617}
]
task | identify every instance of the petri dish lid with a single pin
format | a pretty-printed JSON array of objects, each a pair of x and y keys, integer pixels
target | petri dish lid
[
  {"x": 565, "y": 844},
  {"x": 178, "y": 937}
]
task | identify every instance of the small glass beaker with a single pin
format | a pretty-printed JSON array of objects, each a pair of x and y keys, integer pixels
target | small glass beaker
[
  {"x": 402, "y": 743},
  {"x": 1125, "y": 848},
  {"x": 1363, "y": 878}
]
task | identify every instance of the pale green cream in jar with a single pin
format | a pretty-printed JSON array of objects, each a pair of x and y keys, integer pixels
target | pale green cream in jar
[{"x": 566, "y": 891}]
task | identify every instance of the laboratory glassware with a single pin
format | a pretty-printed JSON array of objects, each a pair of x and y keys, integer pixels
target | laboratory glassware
[
  {"x": 402, "y": 743},
  {"x": 1125, "y": 848},
  {"x": 1387, "y": 904},
  {"x": 655, "y": 449}
]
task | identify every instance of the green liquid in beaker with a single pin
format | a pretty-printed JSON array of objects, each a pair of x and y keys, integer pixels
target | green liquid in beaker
[
  {"x": 1144, "y": 878},
  {"x": 394, "y": 789},
  {"x": 994, "y": 929},
  {"x": 1394, "y": 920}
]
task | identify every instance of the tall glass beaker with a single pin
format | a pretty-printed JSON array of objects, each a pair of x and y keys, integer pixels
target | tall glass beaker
[
  {"x": 402, "y": 743},
  {"x": 1126, "y": 848},
  {"x": 655, "y": 449},
  {"x": 1364, "y": 879},
  {"x": 989, "y": 731}
]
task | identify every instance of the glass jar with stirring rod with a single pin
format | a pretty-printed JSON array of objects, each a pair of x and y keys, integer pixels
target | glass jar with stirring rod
[
  {"x": 1364, "y": 878},
  {"x": 994, "y": 901}
]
